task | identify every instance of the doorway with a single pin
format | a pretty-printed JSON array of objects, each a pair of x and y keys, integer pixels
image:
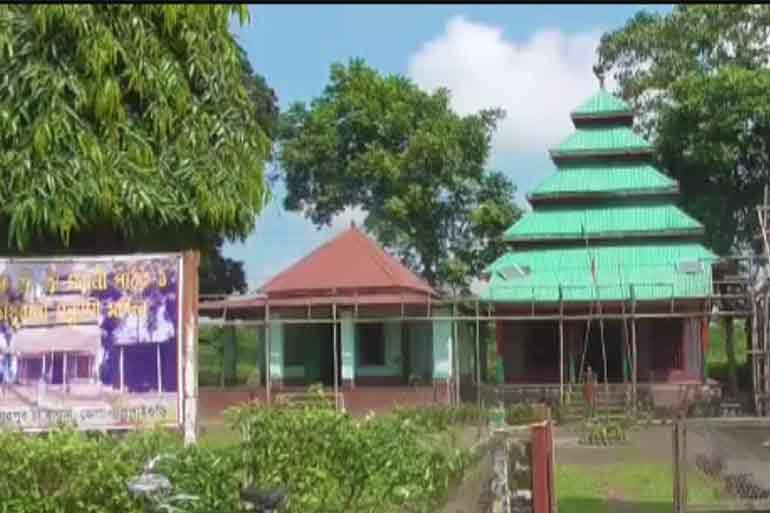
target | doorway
[{"x": 613, "y": 346}]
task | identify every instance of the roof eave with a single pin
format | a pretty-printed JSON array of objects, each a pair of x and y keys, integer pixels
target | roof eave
[
  {"x": 535, "y": 197},
  {"x": 594, "y": 236}
]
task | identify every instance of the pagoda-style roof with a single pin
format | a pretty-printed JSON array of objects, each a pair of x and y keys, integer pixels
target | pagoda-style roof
[
  {"x": 350, "y": 263},
  {"x": 606, "y": 222},
  {"x": 599, "y": 180},
  {"x": 602, "y": 105},
  {"x": 653, "y": 271},
  {"x": 608, "y": 203},
  {"x": 602, "y": 141}
]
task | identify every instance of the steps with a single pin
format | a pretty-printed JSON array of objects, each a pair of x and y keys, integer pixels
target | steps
[{"x": 610, "y": 403}]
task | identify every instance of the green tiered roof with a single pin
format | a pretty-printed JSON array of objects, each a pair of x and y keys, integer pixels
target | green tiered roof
[
  {"x": 606, "y": 202},
  {"x": 602, "y": 104},
  {"x": 598, "y": 179}
]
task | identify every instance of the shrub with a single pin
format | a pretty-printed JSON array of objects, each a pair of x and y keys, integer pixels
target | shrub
[
  {"x": 519, "y": 413},
  {"x": 330, "y": 463},
  {"x": 603, "y": 431}
]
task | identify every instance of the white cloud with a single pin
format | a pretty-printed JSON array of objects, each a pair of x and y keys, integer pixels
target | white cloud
[
  {"x": 350, "y": 215},
  {"x": 537, "y": 81}
]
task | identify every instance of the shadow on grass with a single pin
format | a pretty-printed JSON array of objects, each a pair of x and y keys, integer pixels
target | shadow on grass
[{"x": 598, "y": 505}]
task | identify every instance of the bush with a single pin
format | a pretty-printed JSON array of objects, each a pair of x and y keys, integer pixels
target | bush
[
  {"x": 330, "y": 463},
  {"x": 604, "y": 432},
  {"x": 73, "y": 472},
  {"x": 439, "y": 418}
]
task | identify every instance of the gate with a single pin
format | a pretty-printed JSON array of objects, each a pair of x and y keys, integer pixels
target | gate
[{"x": 721, "y": 465}]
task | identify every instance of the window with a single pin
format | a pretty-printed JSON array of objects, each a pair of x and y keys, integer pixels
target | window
[
  {"x": 543, "y": 346},
  {"x": 371, "y": 344},
  {"x": 294, "y": 347},
  {"x": 79, "y": 366},
  {"x": 31, "y": 370}
]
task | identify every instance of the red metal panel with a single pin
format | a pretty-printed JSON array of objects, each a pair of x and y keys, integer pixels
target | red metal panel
[{"x": 541, "y": 502}]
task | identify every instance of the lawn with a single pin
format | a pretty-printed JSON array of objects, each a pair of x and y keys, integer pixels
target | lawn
[{"x": 638, "y": 487}]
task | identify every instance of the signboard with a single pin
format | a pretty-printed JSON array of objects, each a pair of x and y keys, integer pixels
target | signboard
[{"x": 93, "y": 342}]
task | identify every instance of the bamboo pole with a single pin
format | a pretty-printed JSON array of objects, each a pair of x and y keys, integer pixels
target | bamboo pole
[
  {"x": 561, "y": 347},
  {"x": 335, "y": 347},
  {"x": 634, "y": 355},
  {"x": 545, "y": 317},
  {"x": 478, "y": 369},
  {"x": 268, "y": 356},
  {"x": 455, "y": 359}
]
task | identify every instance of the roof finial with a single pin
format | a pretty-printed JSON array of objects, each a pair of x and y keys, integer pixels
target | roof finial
[{"x": 599, "y": 72}]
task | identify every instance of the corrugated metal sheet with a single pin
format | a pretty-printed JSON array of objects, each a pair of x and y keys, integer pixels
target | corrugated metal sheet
[
  {"x": 605, "y": 179},
  {"x": 651, "y": 269},
  {"x": 565, "y": 222},
  {"x": 602, "y": 103},
  {"x": 601, "y": 140}
]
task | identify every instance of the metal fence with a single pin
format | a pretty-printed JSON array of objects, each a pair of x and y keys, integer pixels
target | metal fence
[{"x": 721, "y": 464}]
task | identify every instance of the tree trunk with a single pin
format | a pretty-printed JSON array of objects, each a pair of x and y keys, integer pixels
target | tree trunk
[{"x": 732, "y": 376}]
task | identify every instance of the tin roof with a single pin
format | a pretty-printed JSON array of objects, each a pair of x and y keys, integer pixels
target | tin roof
[
  {"x": 349, "y": 262},
  {"x": 605, "y": 179},
  {"x": 605, "y": 190},
  {"x": 602, "y": 140},
  {"x": 602, "y": 104},
  {"x": 654, "y": 270},
  {"x": 602, "y": 221}
]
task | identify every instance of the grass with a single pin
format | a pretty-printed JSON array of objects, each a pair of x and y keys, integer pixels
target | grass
[{"x": 642, "y": 487}]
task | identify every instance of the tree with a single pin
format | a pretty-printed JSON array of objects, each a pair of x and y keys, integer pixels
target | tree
[
  {"x": 412, "y": 164},
  {"x": 219, "y": 274},
  {"x": 126, "y": 127},
  {"x": 699, "y": 76}
]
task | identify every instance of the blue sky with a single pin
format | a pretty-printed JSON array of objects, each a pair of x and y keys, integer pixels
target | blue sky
[{"x": 532, "y": 60}]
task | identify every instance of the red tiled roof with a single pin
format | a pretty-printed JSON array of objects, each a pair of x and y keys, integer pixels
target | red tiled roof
[
  {"x": 390, "y": 298},
  {"x": 351, "y": 261}
]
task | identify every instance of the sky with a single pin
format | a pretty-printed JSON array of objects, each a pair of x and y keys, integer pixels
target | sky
[{"x": 534, "y": 61}]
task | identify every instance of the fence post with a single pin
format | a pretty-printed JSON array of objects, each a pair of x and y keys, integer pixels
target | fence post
[
  {"x": 543, "y": 489},
  {"x": 190, "y": 263},
  {"x": 679, "y": 448}
]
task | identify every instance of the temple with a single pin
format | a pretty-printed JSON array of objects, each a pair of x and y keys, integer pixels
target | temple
[{"x": 604, "y": 240}]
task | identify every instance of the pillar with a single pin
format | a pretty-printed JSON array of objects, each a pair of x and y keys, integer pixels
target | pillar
[
  {"x": 276, "y": 350},
  {"x": 348, "y": 339},
  {"x": 442, "y": 353}
]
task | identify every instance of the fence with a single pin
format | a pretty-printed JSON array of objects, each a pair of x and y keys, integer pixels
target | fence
[
  {"x": 523, "y": 474},
  {"x": 721, "y": 464}
]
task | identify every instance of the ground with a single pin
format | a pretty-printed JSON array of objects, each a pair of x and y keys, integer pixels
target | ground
[{"x": 638, "y": 477}]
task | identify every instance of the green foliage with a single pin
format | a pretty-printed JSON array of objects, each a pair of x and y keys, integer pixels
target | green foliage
[
  {"x": 412, "y": 164},
  {"x": 67, "y": 472},
  {"x": 699, "y": 77},
  {"x": 130, "y": 125},
  {"x": 519, "y": 413},
  {"x": 440, "y": 418},
  {"x": 331, "y": 463},
  {"x": 249, "y": 349},
  {"x": 605, "y": 431},
  {"x": 328, "y": 461}
]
